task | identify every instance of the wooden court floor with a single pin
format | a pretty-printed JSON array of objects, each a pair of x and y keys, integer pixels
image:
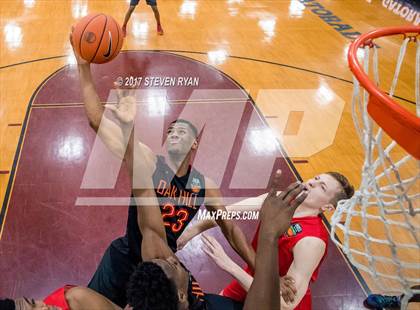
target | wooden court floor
[{"x": 282, "y": 52}]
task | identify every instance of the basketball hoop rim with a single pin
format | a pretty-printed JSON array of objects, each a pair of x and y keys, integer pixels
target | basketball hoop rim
[{"x": 384, "y": 108}]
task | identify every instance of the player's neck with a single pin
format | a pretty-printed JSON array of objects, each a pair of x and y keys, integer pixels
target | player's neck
[
  {"x": 303, "y": 211},
  {"x": 179, "y": 164}
]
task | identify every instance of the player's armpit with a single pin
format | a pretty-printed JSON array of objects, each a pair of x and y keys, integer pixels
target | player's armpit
[{"x": 154, "y": 246}]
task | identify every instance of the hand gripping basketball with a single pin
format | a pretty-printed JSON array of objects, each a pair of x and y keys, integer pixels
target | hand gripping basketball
[{"x": 97, "y": 38}]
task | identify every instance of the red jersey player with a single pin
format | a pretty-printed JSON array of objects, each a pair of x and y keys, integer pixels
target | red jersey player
[{"x": 301, "y": 249}]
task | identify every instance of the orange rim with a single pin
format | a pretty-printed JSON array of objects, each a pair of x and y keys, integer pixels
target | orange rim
[{"x": 396, "y": 121}]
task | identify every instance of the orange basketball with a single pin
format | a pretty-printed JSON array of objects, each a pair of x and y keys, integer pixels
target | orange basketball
[{"x": 97, "y": 38}]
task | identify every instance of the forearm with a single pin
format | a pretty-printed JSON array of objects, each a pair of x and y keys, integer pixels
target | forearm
[
  {"x": 240, "y": 244},
  {"x": 127, "y": 131},
  {"x": 198, "y": 228},
  {"x": 154, "y": 245},
  {"x": 265, "y": 289},
  {"x": 244, "y": 278},
  {"x": 93, "y": 106}
]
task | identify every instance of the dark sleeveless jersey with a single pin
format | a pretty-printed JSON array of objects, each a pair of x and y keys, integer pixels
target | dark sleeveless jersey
[
  {"x": 195, "y": 295},
  {"x": 179, "y": 201}
]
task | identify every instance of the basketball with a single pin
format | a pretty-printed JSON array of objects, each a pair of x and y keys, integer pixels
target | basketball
[{"x": 97, "y": 38}]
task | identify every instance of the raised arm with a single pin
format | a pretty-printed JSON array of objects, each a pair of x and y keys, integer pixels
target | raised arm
[
  {"x": 276, "y": 214},
  {"x": 110, "y": 133},
  {"x": 114, "y": 135},
  {"x": 154, "y": 242}
]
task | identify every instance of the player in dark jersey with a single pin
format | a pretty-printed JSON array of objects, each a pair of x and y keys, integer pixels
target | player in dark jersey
[
  {"x": 180, "y": 189},
  {"x": 161, "y": 281}
]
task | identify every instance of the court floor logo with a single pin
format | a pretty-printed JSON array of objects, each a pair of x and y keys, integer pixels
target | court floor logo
[{"x": 405, "y": 9}]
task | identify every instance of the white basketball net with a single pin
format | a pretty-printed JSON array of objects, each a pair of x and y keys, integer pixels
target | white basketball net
[{"x": 380, "y": 225}]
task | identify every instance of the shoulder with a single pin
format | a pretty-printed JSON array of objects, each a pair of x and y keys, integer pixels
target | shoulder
[
  {"x": 79, "y": 297},
  {"x": 75, "y": 295},
  {"x": 313, "y": 227},
  {"x": 310, "y": 244}
]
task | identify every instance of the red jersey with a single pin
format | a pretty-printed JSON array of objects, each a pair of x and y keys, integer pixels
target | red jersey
[
  {"x": 58, "y": 298},
  {"x": 301, "y": 227}
]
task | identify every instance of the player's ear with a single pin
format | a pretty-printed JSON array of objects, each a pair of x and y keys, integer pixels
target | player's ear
[
  {"x": 195, "y": 144},
  {"x": 328, "y": 207}
]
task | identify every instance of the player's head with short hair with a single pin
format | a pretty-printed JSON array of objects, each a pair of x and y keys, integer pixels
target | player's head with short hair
[
  {"x": 181, "y": 137},
  {"x": 346, "y": 191},
  {"x": 326, "y": 189},
  {"x": 24, "y": 303},
  {"x": 7, "y": 304},
  {"x": 160, "y": 284}
]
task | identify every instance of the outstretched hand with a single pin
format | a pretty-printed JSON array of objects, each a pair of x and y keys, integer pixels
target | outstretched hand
[
  {"x": 216, "y": 252},
  {"x": 125, "y": 110},
  {"x": 278, "y": 209}
]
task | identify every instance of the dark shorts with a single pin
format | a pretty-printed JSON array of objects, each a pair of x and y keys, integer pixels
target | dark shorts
[
  {"x": 113, "y": 273},
  {"x": 149, "y": 2},
  {"x": 217, "y": 302}
]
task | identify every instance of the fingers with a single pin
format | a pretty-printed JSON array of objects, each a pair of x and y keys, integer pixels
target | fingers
[
  {"x": 276, "y": 179},
  {"x": 275, "y": 183},
  {"x": 213, "y": 245},
  {"x": 208, "y": 251},
  {"x": 288, "y": 296},
  {"x": 290, "y": 282},
  {"x": 212, "y": 242},
  {"x": 272, "y": 193},
  {"x": 208, "y": 248},
  {"x": 112, "y": 107},
  {"x": 290, "y": 190},
  {"x": 124, "y": 92},
  {"x": 207, "y": 242},
  {"x": 119, "y": 91},
  {"x": 288, "y": 289},
  {"x": 299, "y": 199}
]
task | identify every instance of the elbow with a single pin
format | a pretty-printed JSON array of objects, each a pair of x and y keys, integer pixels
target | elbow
[{"x": 94, "y": 125}]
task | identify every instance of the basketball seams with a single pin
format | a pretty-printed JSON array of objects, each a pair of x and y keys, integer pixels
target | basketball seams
[
  {"x": 83, "y": 32},
  {"x": 89, "y": 29},
  {"x": 100, "y": 41}
]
